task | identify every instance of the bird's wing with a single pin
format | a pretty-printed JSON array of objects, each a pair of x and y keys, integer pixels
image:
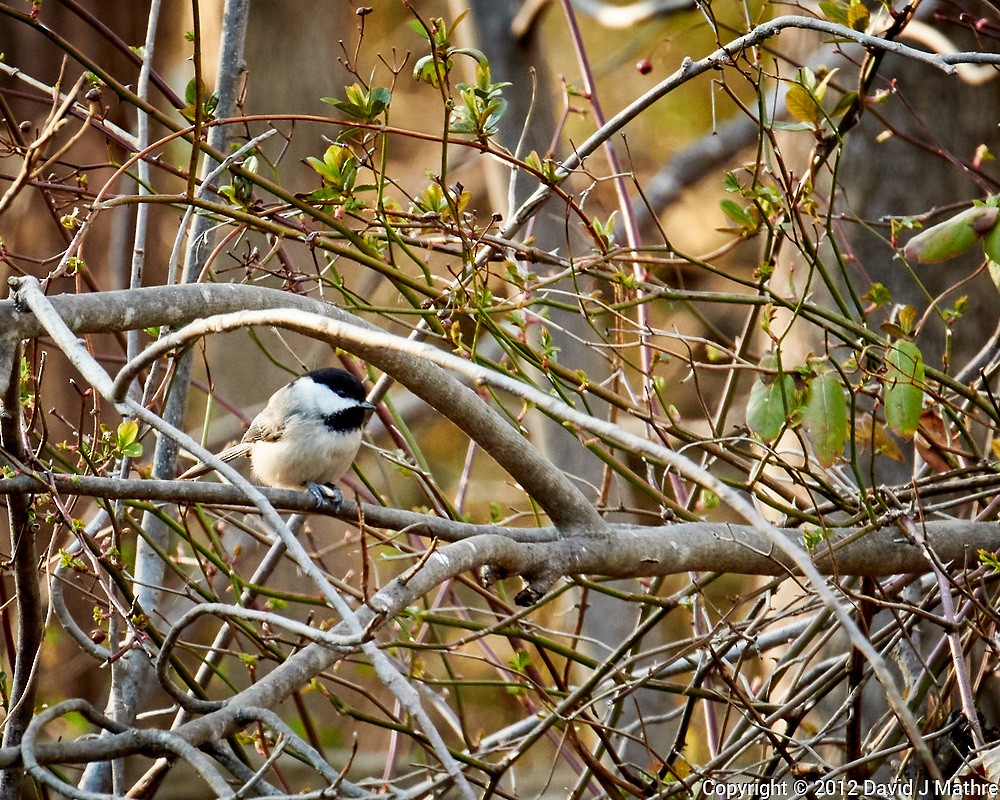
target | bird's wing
[{"x": 267, "y": 426}]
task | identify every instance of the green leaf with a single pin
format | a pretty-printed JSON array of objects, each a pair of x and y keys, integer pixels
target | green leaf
[
  {"x": 126, "y": 444},
  {"x": 903, "y": 384},
  {"x": 380, "y": 99},
  {"x": 878, "y": 295},
  {"x": 128, "y": 432},
  {"x": 802, "y": 105},
  {"x": 991, "y": 243},
  {"x": 993, "y": 268},
  {"x": 845, "y": 102},
  {"x": 426, "y": 69},
  {"x": 819, "y": 91},
  {"x": 770, "y": 405},
  {"x": 361, "y": 104},
  {"x": 784, "y": 125},
  {"x": 835, "y": 11},
  {"x": 858, "y": 16},
  {"x": 191, "y": 91},
  {"x": 988, "y": 559},
  {"x": 824, "y": 417},
  {"x": 953, "y": 236},
  {"x": 520, "y": 661},
  {"x": 738, "y": 214},
  {"x": 906, "y": 317}
]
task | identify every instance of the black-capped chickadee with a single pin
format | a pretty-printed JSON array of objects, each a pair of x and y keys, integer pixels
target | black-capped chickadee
[{"x": 307, "y": 435}]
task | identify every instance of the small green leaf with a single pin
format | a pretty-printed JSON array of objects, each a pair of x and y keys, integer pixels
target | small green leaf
[
  {"x": 819, "y": 91},
  {"x": 835, "y": 11},
  {"x": 813, "y": 537},
  {"x": 878, "y": 295},
  {"x": 360, "y": 103},
  {"x": 770, "y": 405},
  {"x": 803, "y": 106},
  {"x": 845, "y": 102},
  {"x": 991, "y": 243},
  {"x": 906, "y": 317},
  {"x": 903, "y": 384},
  {"x": 128, "y": 432},
  {"x": 520, "y": 661},
  {"x": 738, "y": 214},
  {"x": 988, "y": 559},
  {"x": 824, "y": 417},
  {"x": 126, "y": 445},
  {"x": 785, "y": 125},
  {"x": 993, "y": 268},
  {"x": 380, "y": 99},
  {"x": 858, "y": 15}
]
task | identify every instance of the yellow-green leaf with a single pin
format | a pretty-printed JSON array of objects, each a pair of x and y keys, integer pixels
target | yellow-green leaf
[
  {"x": 991, "y": 243},
  {"x": 835, "y": 11},
  {"x": 953, "y": 236},
  {"x": 907, "y": 317},
  {"x": 824, "y": 417},
  {"x": 128, "y": 432},
  {"x": 802, "y": 105},
  {"x": 858, "y": 16},
  {"x": 738, "y": 214},
  {"x": 769, "y": 405},
  {"x": 993, "y": 268},
  {"x": 903, "y": 384}
]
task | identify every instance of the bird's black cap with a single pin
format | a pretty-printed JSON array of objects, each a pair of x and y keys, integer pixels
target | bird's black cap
[{"x": 339, "y": 382}]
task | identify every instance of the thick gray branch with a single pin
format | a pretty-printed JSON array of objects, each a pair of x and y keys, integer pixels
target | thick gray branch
[
  {"x": 178, "y": 305},
  {"x": 629, "y": 551}
]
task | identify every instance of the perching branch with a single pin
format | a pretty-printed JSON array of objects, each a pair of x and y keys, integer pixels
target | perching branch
[{"x": 628, "y": 550}]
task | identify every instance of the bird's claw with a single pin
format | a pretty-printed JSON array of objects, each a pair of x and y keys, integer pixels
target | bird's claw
[{"x": 328, "y": 497}]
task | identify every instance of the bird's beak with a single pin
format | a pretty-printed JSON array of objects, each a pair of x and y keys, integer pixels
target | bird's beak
[{"x": 369, "y": 409}]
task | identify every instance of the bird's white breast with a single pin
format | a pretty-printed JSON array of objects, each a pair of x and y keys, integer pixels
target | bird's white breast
[{"x": 308, "y": 451}]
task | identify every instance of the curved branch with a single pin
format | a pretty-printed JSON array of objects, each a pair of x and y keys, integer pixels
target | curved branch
[
  {"x": 164, "y": 741},
  {"x": 398, "y": 359},
  {"x": 563, "y": 502}
]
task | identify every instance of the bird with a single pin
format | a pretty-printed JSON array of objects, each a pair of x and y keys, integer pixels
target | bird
[{"x": 307, "y": 435}]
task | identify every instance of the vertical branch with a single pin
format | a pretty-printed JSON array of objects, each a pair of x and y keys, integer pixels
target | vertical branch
[
  {"x": 133, "y": 669},
  {"x": 30, "y": 615},
  {"x": 149, "y": 568},
  {"x": 621, "y": 192},
  {"x": 123, "y": 696},
  {"x": 142, "y": 131},
  {"x": 631, "y": 228}
]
